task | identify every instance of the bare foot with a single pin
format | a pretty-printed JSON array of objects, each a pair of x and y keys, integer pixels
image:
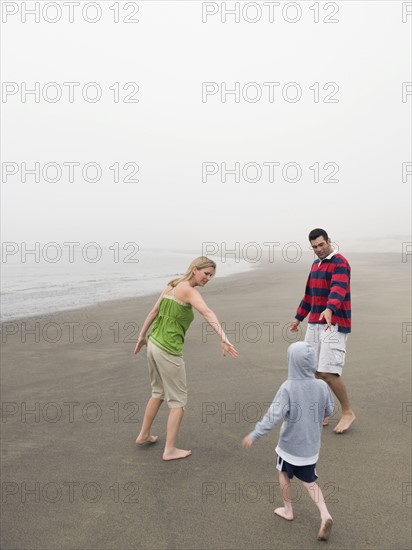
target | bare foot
[
  {"x": 345, "y": 423},
  {"x": 148, "y": 440},
  {"x": 283, "y": 513},
  {"x": 325, "y": 529},
  {"x": 325, "y": 421},
  {"x": 175, "y": 454}
]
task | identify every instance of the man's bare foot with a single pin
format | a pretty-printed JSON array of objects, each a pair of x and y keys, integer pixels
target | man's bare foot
[
  {"x": 151, "y": 439},
  {"x": 283, "y": 513},
  {"x": 175, "y": 454},
  {"x": 325, "y": 529},
  {"x": 345, "y": 423}
]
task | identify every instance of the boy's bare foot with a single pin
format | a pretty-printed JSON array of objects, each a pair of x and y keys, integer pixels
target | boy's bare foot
[
  {"x": 325, "y": 529},
  {"x": 175, "y": 454},
  {"x": 283, "y": 513},
  {"x": 345, "y": 423},
  {"x": 148, "y": 440}
]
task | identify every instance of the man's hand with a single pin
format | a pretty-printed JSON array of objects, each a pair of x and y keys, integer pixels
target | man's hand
[
  {"x": 327, "y": 315},
  {"x": 294, "y": 325}
]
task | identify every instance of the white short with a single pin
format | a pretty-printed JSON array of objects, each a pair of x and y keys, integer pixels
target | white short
[{"x": 330, "y": 347}]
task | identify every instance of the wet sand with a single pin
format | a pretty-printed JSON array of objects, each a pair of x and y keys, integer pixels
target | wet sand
[{"x": 73, "y": 396}]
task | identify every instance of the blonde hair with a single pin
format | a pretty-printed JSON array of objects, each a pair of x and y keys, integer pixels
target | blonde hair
[{"x": 202, "y": 262}]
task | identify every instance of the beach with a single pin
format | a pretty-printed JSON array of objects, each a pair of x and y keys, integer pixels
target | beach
[{"x": 73, "y": 397}]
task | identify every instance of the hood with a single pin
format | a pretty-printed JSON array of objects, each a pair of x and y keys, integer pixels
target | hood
[{"x": 301, "y": 361}]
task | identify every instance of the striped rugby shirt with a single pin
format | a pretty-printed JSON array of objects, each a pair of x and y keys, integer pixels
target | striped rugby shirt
[{"x": 328, "y": 286}]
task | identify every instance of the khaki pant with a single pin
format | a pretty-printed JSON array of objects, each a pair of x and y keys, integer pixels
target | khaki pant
[{"x": 167, "y": 376}]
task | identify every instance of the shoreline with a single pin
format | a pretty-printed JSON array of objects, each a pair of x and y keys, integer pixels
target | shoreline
[
  {"x": 154, "y": 288},
  {"x": 86, "y": 309},
  {"x": 264, "y": 264}
]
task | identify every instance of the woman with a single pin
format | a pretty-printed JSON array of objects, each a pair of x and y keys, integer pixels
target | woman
[{"x": 171, "y": 317}]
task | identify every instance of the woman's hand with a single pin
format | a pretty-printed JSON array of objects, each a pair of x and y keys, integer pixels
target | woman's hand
[
  {"x": 140, "y": 343},
  {"x": 227, "y": 347}
]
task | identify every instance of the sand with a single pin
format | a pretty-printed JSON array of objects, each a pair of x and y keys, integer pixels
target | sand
[{"x": 72, "y": 476}]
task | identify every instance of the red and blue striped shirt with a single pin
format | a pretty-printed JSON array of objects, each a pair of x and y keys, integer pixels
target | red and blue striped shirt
[{"x": 328, "y": 286}]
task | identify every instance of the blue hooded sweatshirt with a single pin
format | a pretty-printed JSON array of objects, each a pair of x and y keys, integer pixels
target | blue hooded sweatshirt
[{"x": 302, "y": 402}]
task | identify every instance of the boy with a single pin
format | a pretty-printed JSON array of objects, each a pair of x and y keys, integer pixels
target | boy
[{"x": 303, "y": 401}]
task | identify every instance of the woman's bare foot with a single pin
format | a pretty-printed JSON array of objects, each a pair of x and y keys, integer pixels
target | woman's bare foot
[
  {"x": 283, "y": 513},
  {"x": 143, "y": 441},
  {"x": 325, "y": 529},
  {"x": 345, "y": 423},
  {"x": 175, "y": 454}
]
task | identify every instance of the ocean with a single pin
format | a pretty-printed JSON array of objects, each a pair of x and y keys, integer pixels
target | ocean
[{"x": 57, "y": 279}]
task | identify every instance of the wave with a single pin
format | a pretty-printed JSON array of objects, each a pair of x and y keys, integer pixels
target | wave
[{"x": 23, "y": 294}]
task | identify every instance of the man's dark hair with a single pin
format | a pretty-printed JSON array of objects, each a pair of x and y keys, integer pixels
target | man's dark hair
[{"x": 316, "y": 233}]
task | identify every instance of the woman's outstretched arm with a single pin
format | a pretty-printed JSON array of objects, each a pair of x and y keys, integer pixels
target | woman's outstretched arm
[{"x": 193, "y": 297}]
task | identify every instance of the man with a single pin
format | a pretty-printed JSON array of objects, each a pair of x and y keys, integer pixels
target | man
[{"x": 327, "y": 301}]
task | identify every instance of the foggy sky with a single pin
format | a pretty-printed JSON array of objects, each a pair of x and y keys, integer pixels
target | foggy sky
[{"x": 178, "y": 138}]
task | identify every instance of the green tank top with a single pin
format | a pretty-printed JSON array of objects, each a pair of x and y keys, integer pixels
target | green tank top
[{"x": 170, "y": 326}]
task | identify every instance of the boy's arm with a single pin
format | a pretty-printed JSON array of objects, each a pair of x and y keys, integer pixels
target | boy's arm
[
  {"x": 330, "y": 403},
  {"x": 277, "y": 410}
]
